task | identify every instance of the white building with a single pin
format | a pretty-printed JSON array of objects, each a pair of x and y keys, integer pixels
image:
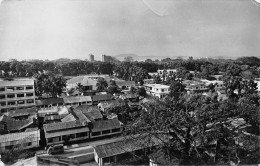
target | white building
[
  {"x": 88, "y": 83},
  {"x": 167, "y": 71},
  {"x": 158, "y": 90},
  {"x": 16, "y": 94}
]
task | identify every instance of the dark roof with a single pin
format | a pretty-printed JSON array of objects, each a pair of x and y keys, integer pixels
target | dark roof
[
  {"x": 62, "y": 125},
  {"x": 129, "y": 96},
  {"x": 91, "y": 112},
  {"x": 81, "y": 117},
  {"x": 125, "y": 83},
  {"x": 102, "y": 97},
  {"x": 76, "y": 99},
  {"x": 13, "y": 125},
  {"x": 23, "y": 112},
  {"x": 106, "y": 124},
  {"x": 49, "y": 101},
  {"x": 126, "y": 145},
  {"x": 54, "y": 117}
]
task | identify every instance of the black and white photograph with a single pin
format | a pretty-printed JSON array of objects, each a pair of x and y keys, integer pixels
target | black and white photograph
[{"x": 129, "y": 82}]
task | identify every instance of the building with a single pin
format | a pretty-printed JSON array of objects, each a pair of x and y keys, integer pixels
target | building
[
  {"x": 166, "y": 71},
  {"x": 195, "y": 86},
  {"x": 63, "y": 132},
  {"x": 96, "y": 99},
  {"x": 122, "y": 84},
  {"x": 104, "y": 58},
  {"x": 157, "y": 90},
  {"x": 88, "y": 83},
  {"x": 16, "y": 94},
  {"x": 91, "y": 58},
  {"x": 77, "y": 100},
  {"x": 25, "y": 140}
]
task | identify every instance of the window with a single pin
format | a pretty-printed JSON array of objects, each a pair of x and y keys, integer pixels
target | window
[
  {"x": 2, "y": 89},
  {"x": 72, "y": 136},
  {"x": 11, "y": 96},
  {"x": 116, "y": 130},
  {"x": 3, "y": 103},
  {"x": 21, "y": 102},
  {"x": 106, "y": 132},
  {"x": 29, "y": 94},
  {"x": 3, "y": 110},
  {"x": 20, "y": 95},
  {"x": 56, "y": 139},
  {"x": 27, "y": 144},
  {"x": 29, "y": 101},
  {"x": 95, "y": 133},
  {"x": 162, "y": 90},
  {"x": 29, "y": 87},
  {"x": 11, "y": 103},
  {"x": 20, "y": 88},
  {"x": 10, "y": 89},
  {"x": 2, "y": 96},
  {"x": 81, "y": 134}
]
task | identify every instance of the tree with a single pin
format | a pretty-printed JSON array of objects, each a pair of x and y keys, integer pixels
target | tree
[
  {"x": 80, "y": 87},
  {"x": 101, "y": 84},
  {"x": 112, "y": 88},
  {"x": 176, "y": 89},
  {"x": 128, "y": 59},
  {"x": 197, "y": 130},
  {"x": 141, "y": 91},
  {"x": 49, "y": 83},
  {"x": 148, "y": 61}
]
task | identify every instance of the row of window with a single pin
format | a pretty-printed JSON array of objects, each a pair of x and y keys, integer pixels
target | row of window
[
  {"x": 13, "y": 88},
  {"x": 105, "y": 132},
  {"x": 67, "y": 137},
  {"x": 19, "y": 102},
  {"x": 9, "y": 96}
]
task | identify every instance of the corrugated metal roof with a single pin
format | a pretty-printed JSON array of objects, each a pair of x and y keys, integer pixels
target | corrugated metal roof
[
  {"x": 62, "y": 125},
  {"x": 106, "y": 125},
  {"x": 49, "y": 101},
  {"x": 102, "y": 97},
  {"x": 76, "y": 99},
  {"x": 91, "y": 112},
  {"x": 125, "y": 83},
  {"x": 68, "y": 118},
  {"x": 19, "y": 136}
]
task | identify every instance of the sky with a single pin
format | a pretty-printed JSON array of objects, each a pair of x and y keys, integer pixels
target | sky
[{"x": 52, "y": 29}]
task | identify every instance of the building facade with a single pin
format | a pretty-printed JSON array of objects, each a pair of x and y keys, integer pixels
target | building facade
[
  {"x": 16, "y": 94},
  {"x": 91, "y": 58},
  {"x": 157, "y": 90}
]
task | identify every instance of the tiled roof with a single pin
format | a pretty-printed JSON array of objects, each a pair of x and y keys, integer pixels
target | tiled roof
[
  {"x": 126, "y": 145},
  {"x": 48, "y": 101},
  {"x": 19, "y": 136},
  {"x": 23, "y": 112},
  {"x": 125, "y": 83},
  {"x": 91, "y": 112},
  {"x": 61, "y": 125},
  {"x": 102, "y": 97},
  {"x": 129, "y": 96},
  {"x": 68, "y": 118},
  {"x": 13, "y": 124},
  {"x": 53, "y": 117},
  {"x": 82, "y": 80},
  {"x": 17, "y": 83},
  {"x": 106, "y": 124},
  {"x": 77, "y": 99},
  {"x": 81, "y": 117}
]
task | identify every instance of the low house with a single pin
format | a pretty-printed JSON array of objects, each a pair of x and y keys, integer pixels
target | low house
[
  {"x": 105, "y": 128},
  {"x": 23, "y": 114},
  {"x": 88, "y": 84},
  {"x": 112, "y": 151},
  {"x": 77, "y": 100},
  {"x": 64, "y": 132},
  {"x": 24, "y": 140},
  {"x": 91, "y": 112},
  {"x": 104, "y": 106},
  {"x": 45, "y": 103},
  {"x": 125, "y": 84},
  {"x": 131, "y": 97},
  {"x": 157, "y": 90},
  {"x": 100, "y": 98}
]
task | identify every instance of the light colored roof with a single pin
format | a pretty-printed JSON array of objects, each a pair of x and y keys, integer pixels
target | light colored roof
[
  {"x": 76, "y": 99},
  {"x": 157, "y": 85},
  {"x": 125, "y": 83},
  {"x": 91, "y": 112},
  {"x": 68, "y": 118},
  {"x": 84, "y": 80},
  {"x": 16, "y": 83},
  {"x": 61, "y": 125},
  {"x": 19, "y": 136}
]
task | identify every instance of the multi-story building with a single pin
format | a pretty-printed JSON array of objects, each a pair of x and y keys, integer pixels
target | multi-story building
[
  {"x": 157, "y": 90},
  {"x": 195, "y": 86},
  {"x": 167, "y": 71},
  {"x": 91, "y": 58},
  {"x": 16, "y": 94}
]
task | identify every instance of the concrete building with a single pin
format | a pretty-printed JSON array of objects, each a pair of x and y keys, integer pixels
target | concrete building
[
  {"x": 157, "y": 90},
  {"x": 89, "y": 84},
  {"x": 167, "y": 71},
  {"x": 104, "y": 58},
  {"x": 91, "y": 58},
  {"x": 195, "y": 86},
  {"x": 16, "y": 94}
]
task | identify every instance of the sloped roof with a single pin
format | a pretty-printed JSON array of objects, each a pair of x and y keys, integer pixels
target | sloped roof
[
  {"x": 106, "y": 125},
  {"x": 19, "y": 136},
  {"x": 102, "y": 97},
  {"x": 44, "y": 160},
  {"x": 81, "y": 117},
  {"x": 76, "y": 99},
  {"x": 68, "y": 118},
  {"x": 62, "y": 125},
  {"x": 48, "y": 101},
  {"x": 125, "y": 83},
  {"x": 82, "y": 80},
  {"x": 91, "y": 112},
  {"x": 23, "y": 112},
  {"x": 13, "y": 124},
  {"x": 54, "y": 117}
]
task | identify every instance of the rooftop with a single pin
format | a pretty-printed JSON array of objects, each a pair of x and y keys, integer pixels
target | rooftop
[
  {"x": 61, "y": 125},
  {"x": 106, "y": 124},
  {"x": 19, "y": 136},
  {"x": 102, "y": 97},
  {"x": 76, "y": 99},
  {"x": 16, "y": 82},
  {"x": 157, "y": 85}
]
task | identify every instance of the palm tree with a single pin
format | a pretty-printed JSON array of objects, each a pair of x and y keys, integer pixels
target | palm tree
[{"x": 101, "y": 84}]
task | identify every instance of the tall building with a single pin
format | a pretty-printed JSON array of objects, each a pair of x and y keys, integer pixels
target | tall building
[
  {"x": 103, "y": 58},
  {"x": 91, "y": 57},
  {"x": 16, "y": 94}
]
